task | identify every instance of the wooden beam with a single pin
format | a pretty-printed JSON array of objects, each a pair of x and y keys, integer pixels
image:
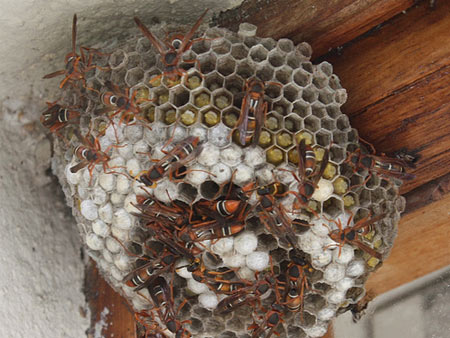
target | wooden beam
[
  {"x": 107, "y": 307},
  {"x": 422, "y": 246},
  {"x": 324, "y": 24}
]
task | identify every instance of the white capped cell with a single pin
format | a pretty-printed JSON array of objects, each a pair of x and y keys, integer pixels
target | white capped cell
[
  {"x": 133, "y": 132},
  {"x": 209, "y": 155},
  {"x": 105, "y": 213},
  {"x": 133, "y": 167},
  {"x": 254, "y": 157},
  {"x": 72, "y": 178},
  {"x": 106, "y": 181},
  {"x": 323, "y": 191},
  {"x": 243, "y": 174},
  {"x": 208, "y": 300},
  {"x": 100, "y": 228},
  {"x": 181, "y": 268},
  {"x": 166, "y": 191},
  {"x": 257, "y": 260},
  {"x": 122, "y": 219},
  {"x": 116, "y": 199},
  {"x": 231, "y": 155},
  {"x": 344, "y": 284},
  {"x": 123, "y": 184},
  {"x": 89, "y": 209},
  {"x": 112, "y": 245},
  {"x": 221, "y": 173},
  {"x": 334, "y": 273},
  {"x": 223, "y": 245},
  {"x": 125, "y": 151},
  {"x": 196, "y": 287},
  {"x": 197, "y": 174},
  {"x": 245, "y": 243},
  {"x": 99, "y": 196},
  {"x": 345, "y": 256},
  {"x": 122, "y": 262},
  {"x": 121, "y": 234},
  {"x": 356, "y": 268},
  {"x": 128, "y": 203},
  {"x": 94, "y": 242},
  {"x": 234, "y": 260}
]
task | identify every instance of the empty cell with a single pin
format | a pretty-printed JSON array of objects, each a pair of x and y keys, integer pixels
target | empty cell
[
  {"x": 352, "y": 136},
  {"x": 179, "y": 96},
  {"x": 264, "y": 72},
  {"x": 308, "y": 66},
  {"x": 379, "y": 195},
  {"x": 269, "y": 43},
  {"x": 134, "y": 76},
  {"x": 334, "y": 82},
  {"x": 284, "y": 75},
  {"x": 276, "y": 58},
  {"x": 373, "y": 182},
  {"x": 302, "y": 78},
  {"x": 318, "y": 109},
  {"x": 244, "y": 69},
  {"x": 333, "y": 111},
  {"x": 282, "y": 107},
  {"x": 273, "y": 90},
  {"x": 201, "y": 46},
  {"x": 323, "y": 138},
  {"x": 251, "y": 41},
  {"x": 342, "y": 122},
  {"x": 118, "y": 59},
  {"x": 290, "y": 92},
  {"x": 220, "y": 46},
  {"x": 209, "y": 189},
  {"x": 337, "y": 154},
  {"x": 258, "y": 53},
  {"x": 333, "y": 207},
  {"x": 301, "y": 108},
  {"x": 226, "y": 66},
  {"x": 310, "y": 94},
  {"x": 207, "y": 63},
  {"x": 118, "y": 76},
  {"x": 304, "y": 49},
  {"x": 326, "y": 96},
  {"x": 239, "y": 51},
  {"x": 320, "y": 81},
  {"x": 292, "y": 60},
  {"x": 234, "y": 84},
  {"x": 312, "y": 123},
  {"x": 293, "y": 123},
  {"x": 285, "y": 45},
  {"x": 214, "y": 81}
]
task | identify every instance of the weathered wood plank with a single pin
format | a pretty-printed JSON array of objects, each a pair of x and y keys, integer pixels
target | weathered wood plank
[
  {"x": 107, "y": 307},
  {"x": 418, "y": 118},
  {"x": 407, "y": 48},
  {"x": 422, "y": 246},
  {"x": 324, "y": 24}
]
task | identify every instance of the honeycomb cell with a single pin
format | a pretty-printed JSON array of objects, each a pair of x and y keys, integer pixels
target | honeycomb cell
[
  {"x": 193, "y": 80},
  {"x": 295, "y": 331},
  {"x": 285, "y": 45},
  {"x": 373, "y": 182},
  {"x": 309, "y": 94},
  {"x": 326, "y": 68},
  {"x": 304, "y": 135},
  {"x": 239, "y": 51},
  {"x": 327, "y": 124},
  {"x": 161, "y": 96},
  {"x": 168, "y": 114},
  {"x": 228, "y": 334},
  {"x": 273, "y": 90},
  {"x": 234, "y": 84},
  {"x": 293, "y": 123},
  {"x": 258, "y": 53},
  {"x": 337, "y": 154},
  {"x": 210, "y": 117},
  {"x": 379, "y": 195},
  {"x": 350, "y": 200},
  {"x": 334, "y": 82},
  {"x": 273, "y": 121},
  {"x": 282, "y": 107},
  {"x": 275, "y": 156},
  {"x": 302, "y": 78},
  {"x": 276, "y": 59},
  {"x": 220, "y": 46},
  {"x": 214, "y": 81},
  {"x": 352, "y": 136},
  {"x": 333, "y": 111},
  {"x": 134, "y": 76},
  {"x": 341, "y": 185},
  {"x": 268, "y": 43},
  {"x": 291, "y": 93},
  {"x": 118, "y": 76},
  {"x": 149, "y": 113},
  {"x": 312, "y": 123},
  {"x": 209, "y": 189},
  {"x": 250, "y": 41},
  {"x": 364, "y": 197},
  {"x": 326, "y": 96},
  {"x": 118, "y": 59},
  {"x": 284, "y": 139},
  {"x": 153, "y": 78},
  {"x": 314, "y": 302},
  {"x": 355, "y": 294},
  {"x": 308, "y": 67},
  {"x": 201, "y": 46},
  {"x": 323, "y": 138},
  {"x": 222, "y": 98},
  {"x": 284, "y": 75},
  {"x": 264, "y": 72},
  {"x": 318, "y": 110},
  {"x": 319, "y": 152},
  {"x": 244, "y": 69},
  {"x": 320, "y": 82},
  {"x": 202, "y": 99},
  {"x": 179, "y": 96},
  {"x": 207, "y": 63},
  {"x": 266, "y": 242},
  {"x": 265, "y": 139},
  {"x": 187, "y": 191},
  {"x": 339, "y": 137},
  {"x": 293, "y": 156},
  {"x": 230, "y": 117},
  {"x": 292, "y": 60},
  {"x": 333, "y": 207},
  {"x": 133, "y": 60},
  {"x": 342, "y": 123},
  {"x": 301, "y": 108},
  {"x": 226, "y": 65},
  {"x": 188, "y": 116}
]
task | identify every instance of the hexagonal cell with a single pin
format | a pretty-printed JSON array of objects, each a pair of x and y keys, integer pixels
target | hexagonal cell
[
  {"x": 207, "y": 63},
  {"x": 220, "y": 46},
  {"x": 149, "y": 113},
  {"x": 284, "y": 139},
  {"x": 341, "y": 185},
  {"x": 301, "y": 108},
  {"x": 361, "y": 214},
  {"x": 276, "y": 59},
  {"x": 187, "y": 191},
  {"x": 312, "y": 123},
  {"x": 141, "y": 93},
  {"x": 161, "y": 96},
  {"x": 334, "y": 82},
  {"x": 171, "y": 81},
  {"x": 293, "y": 123},
  {"x": 244, "y": 69},
  {"x": 264, "y": 72},
  {"x": 330, "y": 171},
  {"x": 318, "y": 110},
  {"x": 250, "y": 41},
  {"x": 193, "y": 80},
  {"x": 356, "y": 181},
  {"x": 273, "y": 121},
  {"x": 179, "y": 96},
  {"x": 339, "y": 137},
  {"x": 239, "y": 51},
  {"x": 308, "y": 66},
  {"x": 282, "y": 107},
  {"x": 153, "y": 77},
  {"x": 228, "y": 334},
  {"x": 275, "y": 156},
  {"x": 118, "y": 76},
  {"x": 214, "y": 81},
  {"x": 304, "y": 135},
  {"x": 230, "y": 117},
  {"x": 265, "y": 139},
  {"x": 326, "y": 96},
  {"x": 202, "y": 98},
  {"x": 302, "y": 78},
  {"x": 201, "y": 46},
  {"x": 323, "y": 138},
  {"x": 266, "y": 242},
  {"x": 326, "y": 68},
  {"x": 226, "y": 65},
  {"x": 272, "y": 90},
  {"x": 310, "y": 94},
  {"x": 352, "y": 136},
  {"x": 379, "y": 195},
  {"x": 143, "y": 45},
  {"x": 292, "y": 60},
  {"x": 234, "y": 84},
  {"x": 168, "y": 114},
  {"x": 209, "y": 189},
  {"x": 373, "y": 182},
  {"x": 118, "y": 59},
  {"x": 342, "y": 122},
  {"x": 333, "y": 111},
  {"x": 350, "y": 200},
  {"x": 188, "y": 116},
  {"x": 355, "y": 294},
  {"x": 295, "y": 331},
  {"x": 210, "y": 117},
  {"x": 320, "y": 81},
  {"x": 258, "y": 53},
  {"x": 333, "y": 207},
  {"x": 291, "y": 92},
  {"x": 337, "y": 154},
  {"x": 314, "y": 302},
  {"x": 134, "y": 59},
  {"x": 284, "y": 74},
  {"x": 327, "y": 124},
  {"x": 134, "y": 76},
  {"x": 222, "y": 98},
  {"x": 293, "y": 156},
  {"x": 278, "y": 255},
  {"x": 285, "y": 45}
]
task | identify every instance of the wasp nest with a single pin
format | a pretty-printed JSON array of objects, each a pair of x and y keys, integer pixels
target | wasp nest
[{"x": 204, "y": 102}]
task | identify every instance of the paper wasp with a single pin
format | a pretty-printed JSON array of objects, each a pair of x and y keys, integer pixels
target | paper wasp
[
  {"x": 56, "y": 117},
  {"x": 270, "y": 322}
]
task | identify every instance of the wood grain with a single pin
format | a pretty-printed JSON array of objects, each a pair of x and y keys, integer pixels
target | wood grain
[
  {"x": 118, "y": 316},
  {"x": 324, "y": 24},
  {"x": 422, "y": 246}
]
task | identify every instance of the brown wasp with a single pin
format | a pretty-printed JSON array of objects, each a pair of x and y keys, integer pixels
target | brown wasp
[
  {"x": 171, "y": 50},
  {"x": 56, "y": 117},
  {"x": 164, "y": 302},
  {"x": 182, "y": 152},
  {"x": 382, "y": 165},
  {"x": 350, "y": 234},
  {"x": 76, "y": 65},
  {"x": 270, "y": 322}
]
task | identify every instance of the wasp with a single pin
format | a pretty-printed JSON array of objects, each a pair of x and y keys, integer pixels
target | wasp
[
  {"x": 172, "y": 49},
  {"x": 382, "y": 165},
  {"x": 90, "y": 154},
  {"x": 163, "y": 299},
  {"x": 253, "y": 112},
  {"x": 350, "y": 234},
  {"x": 56, "y": 117},
  {"x": 76, "y": 65},
  {"x": 270, "y": 322},
  {"x": 183, "y": 152}
]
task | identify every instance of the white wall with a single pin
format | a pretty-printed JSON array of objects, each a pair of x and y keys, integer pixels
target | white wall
[{"x": 41, "y": 272}]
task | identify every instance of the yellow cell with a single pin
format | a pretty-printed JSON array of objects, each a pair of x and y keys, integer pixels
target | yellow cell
[
  {"x": 330, "y": 171},
  {"x": 275, "y": 156},
  {"x": 304, "y": 136},
  {"x": 163, "y": 98},
  {"x": 211, "y": 118},
  {"x": 170, "y": 116},
  {"x": 188, "y": 117},
  {"x": 193, "y": 82},
  {"x": 149, "y": 113},
  {"x": 272, "y": 123},
  {"x": 373, "y": 262},
  {"x": 319, "y": 152},
  {"x": 284, "y": 140},
  {"x": 142, "y": 94},
  {"x": 349, "y": 201},
  {"x": 293, "y": 156},
  {"x": 222, "y": 101},
  {"x": 230, "y": 120},
  {"x": 265, "y": 139},
  {"x": 340, "y": 186},
  {"x": 202, "y": 100}
]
